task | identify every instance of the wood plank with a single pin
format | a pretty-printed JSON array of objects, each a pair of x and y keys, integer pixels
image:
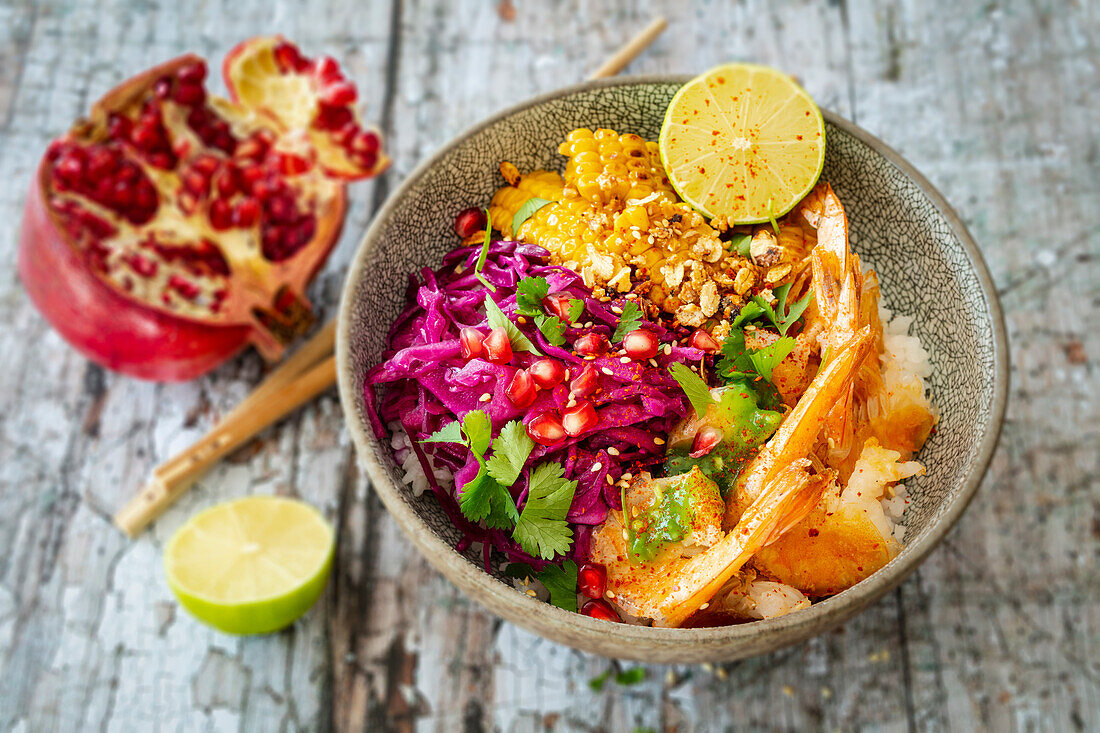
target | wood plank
[{"x": 998, "y": 630}]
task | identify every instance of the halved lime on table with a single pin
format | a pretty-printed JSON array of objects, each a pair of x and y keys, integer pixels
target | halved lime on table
[
  {"x": 251, "y": 566},
  {"x": 743, "y": 143}
]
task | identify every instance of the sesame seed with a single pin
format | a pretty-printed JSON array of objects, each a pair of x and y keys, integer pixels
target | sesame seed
[
  {"x": 460, "y": 269},
  {"x": 624, "y": 359},
  {"x": 572, "y": 401},
  {"x": 704, "y": 607},
  {"x": 606, "y": 371},
  {"x": 485, "y": 397},
  {"x": 566, "y": 378},
  {"x": 596, "y": 467},
  {"x": 610, "y": 481},
  {"x": 627, "y": 476},
  {"x": 668, "y": 349},
  {"x": 653, "y": 363},
  {"x": 631, "y": 296},
  {"x": 617, "y": 310},
  {"x": 605, "y": 299},
  {"x": 531, "y": 592},
  {"x": 659, "y": 441},
  {"x": 612, "y": 451},
  {"x": 610, "y": 594},
  {"x": 589, "y": 357},
  {"x": 721, "y": 673},
  {"x": 588, "y": 324},
  {"x": 521, "y": 320}
]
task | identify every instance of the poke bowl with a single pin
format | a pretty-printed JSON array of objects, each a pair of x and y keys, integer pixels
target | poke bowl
[{"x": 929, "y": 269}]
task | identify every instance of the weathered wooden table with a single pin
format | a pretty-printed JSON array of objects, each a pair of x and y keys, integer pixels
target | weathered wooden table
[{"x": 996, "y": 102}]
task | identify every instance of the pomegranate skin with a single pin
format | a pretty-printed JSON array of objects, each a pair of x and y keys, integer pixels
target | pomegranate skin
[{"x": 115, "y": 332}]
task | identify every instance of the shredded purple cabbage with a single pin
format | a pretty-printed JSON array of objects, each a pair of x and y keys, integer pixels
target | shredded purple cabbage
[{"x": 428, "y": 384}]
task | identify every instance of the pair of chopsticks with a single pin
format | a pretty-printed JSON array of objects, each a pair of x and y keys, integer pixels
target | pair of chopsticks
[{"x": 308, "y": 372}]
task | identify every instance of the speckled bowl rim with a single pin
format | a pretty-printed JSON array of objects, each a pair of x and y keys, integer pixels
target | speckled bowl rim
[{"x": 640, "y": 642}]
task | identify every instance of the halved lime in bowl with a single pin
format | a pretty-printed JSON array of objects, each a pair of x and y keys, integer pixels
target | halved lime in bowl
[
  {"x": 251, "y": 566},
  {"x": 743, "y": 143}
]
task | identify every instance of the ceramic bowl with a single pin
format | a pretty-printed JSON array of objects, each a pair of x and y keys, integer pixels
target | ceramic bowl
[{"x": 929, "y": 266}]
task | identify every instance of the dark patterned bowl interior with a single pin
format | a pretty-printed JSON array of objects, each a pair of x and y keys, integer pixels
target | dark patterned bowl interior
[{"x": 929, "y": 269}]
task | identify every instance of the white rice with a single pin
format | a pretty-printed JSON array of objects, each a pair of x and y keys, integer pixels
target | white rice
[{"x": 405, "y": 456}]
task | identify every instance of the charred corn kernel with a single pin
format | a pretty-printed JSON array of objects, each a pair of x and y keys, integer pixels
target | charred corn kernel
[
  {"x": 508, "y": 200},
  {"x": 510, "y": 173},
  {"x": 632, "y": 216},
  {"x": 604, "y": 166}
]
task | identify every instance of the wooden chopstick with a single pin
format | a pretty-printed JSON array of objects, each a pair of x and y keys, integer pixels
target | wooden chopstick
[
  {"x": 304, "y": 375},
  {"x": 630, "y": 51}
]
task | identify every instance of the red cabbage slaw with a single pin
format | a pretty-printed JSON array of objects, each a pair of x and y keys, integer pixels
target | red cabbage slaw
[{"x": 426, "y": 383}]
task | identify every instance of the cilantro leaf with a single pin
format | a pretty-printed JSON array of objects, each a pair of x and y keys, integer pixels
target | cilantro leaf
[
  {"x": 529, "y": 294},
  {"x": 510, "y": 451},
  {"x": 749, "y": 311},
  {"x": 740, "y": 243},
  {"x": 576, "y": 310},
  {"x": 484, "y": 498},
  {"x": 480, "y": 264},
  {"x": 552, "y": 328},
  {"x": 765, "y": 359},
  {"x": 781, "y": 317},
  {"x": 697, "y": 391},
  {"x": 497, "y": 319},
  {"x": 525, "y": 212},
  {"x": 542, "y": 529},
  {"x": 478, "y": 429},
  {"x": 735, "y": 361},
  {"x": 562, "y": 584},
  {"x": 631, "y": 676},
  {"x": 449, "y": 433},
  {"x": 630, "y": 320},
  {"x": 597, "y": 682}
]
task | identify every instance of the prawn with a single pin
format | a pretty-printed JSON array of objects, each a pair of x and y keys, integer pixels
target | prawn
[{"x": 780, "y": 489}]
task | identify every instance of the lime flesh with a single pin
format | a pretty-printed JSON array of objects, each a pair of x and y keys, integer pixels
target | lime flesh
[
  {"x": 743, "y": 143},
  {"x": 251, "y": 566}
]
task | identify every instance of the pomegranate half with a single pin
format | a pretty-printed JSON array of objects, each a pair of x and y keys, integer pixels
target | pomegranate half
[{"x": 171, "y": 228}]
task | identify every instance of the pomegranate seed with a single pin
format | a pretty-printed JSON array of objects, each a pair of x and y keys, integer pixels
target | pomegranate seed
[
  {"x": 70, "y": 168},
  {"x": 471, "y": 340},
  {"x": 367, "y": 142},
  {"x": 142, "y": 266},
  {"x": 195, "y": 182},
  {"x": 206, "y": 164},
  {"x": 600, "y": 609},
  {"x": 281, "y": 209},
  {"x": 498, "y": 348},
  {"x": 146, "y": 136},
  {"x": 590, "y": 344},
  {"x": 185, "y": 288},
  {"x": 325, "y": 68},
  {"x": 340, "y": 93},
  {"x": 288, "y": 57},
  {"x": 705, "y": 441},
  {"x": 246, "y": 214},
  {"x": 521, "y": 390},
  {"x": 592, "y": 580},
  {"x": 546, "y": 429},
  {"x": 586, "y": 382},
  {"x": 102, "y": 162},
  {"x": 252, "y": 147},
  {"x": 122, "y": 194},
  {"x": 344, "y": 135},
  {"x": 558, "y": 304},
  {"x": 292, "y": 165},
  {"x": 192, "y": 73},
  {"x": 469, "y": 222},
  {"x": 119, "y": 127},
  {"x": 221, "y": 216},
  {"x": 547, "y": 373},
  {"x": 162, "y": 160},
  {"x": 640, "y": 344},
  {"x": 225, "y": 183},
  {"x": 704, "y": 342},
  {"x": 189, "y": 94},
  {"x": 580, "y": 418},
  {"x": 333, "y": 118},
  {"x": 162, "y": 88}
]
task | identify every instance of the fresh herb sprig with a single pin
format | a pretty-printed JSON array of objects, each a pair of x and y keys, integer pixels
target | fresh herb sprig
[
  {"x": 630, "y": 320},
  {"x": 530, "y": 292},
  {"x": 541, "y": 529},
  {"x": 480, "y": 264}
]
